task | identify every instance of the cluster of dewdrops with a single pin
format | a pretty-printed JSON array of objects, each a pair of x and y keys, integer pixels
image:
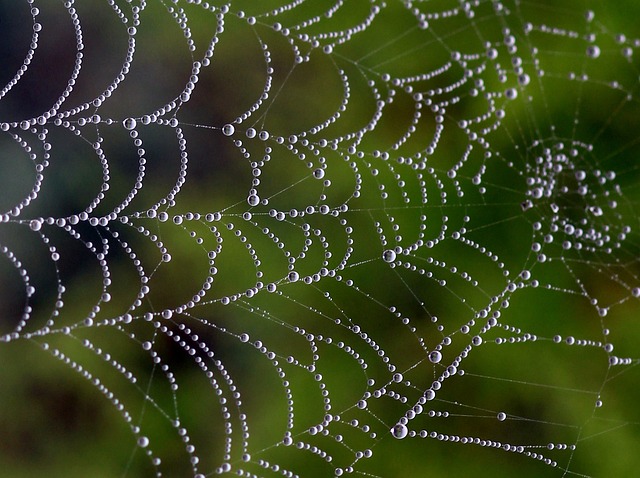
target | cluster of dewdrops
[{"x": 558, "y": 169}]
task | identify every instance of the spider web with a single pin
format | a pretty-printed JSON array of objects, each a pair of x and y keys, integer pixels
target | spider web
[{"x": 318, "y": 238}]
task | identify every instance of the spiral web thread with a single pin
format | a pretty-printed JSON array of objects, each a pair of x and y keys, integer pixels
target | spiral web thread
[{"x": 316, "y": 239}]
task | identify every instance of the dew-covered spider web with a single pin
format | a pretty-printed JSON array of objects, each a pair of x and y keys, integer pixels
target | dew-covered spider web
[{"x": 319, "y": 238}]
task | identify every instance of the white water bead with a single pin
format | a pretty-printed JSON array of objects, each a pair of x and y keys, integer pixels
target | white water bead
[
  {"x": 143, "y": 442},
  {"x": 435, "y": 356},
  {"x": 129, "y": 124},
  {"x": 593, "y": 51},
  {"x": 399, "y": 431},
  {"x": 389, "y": 255},
  {"x": 253, "y": 200},
  {"x": 35, "y": 225},
  {"x": 228, "y": 129}
]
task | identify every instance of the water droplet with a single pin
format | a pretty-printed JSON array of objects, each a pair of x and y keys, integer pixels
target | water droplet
[
  {"x": 593, "y": 51},
  {"x": 143, "y": 442},
  {"x": 228, "y": 129},
  {"x": 129, "y": 123},
  {"x": 524, "y": 79},
  {"x": 389, "y": 255},
  {"x": 35, "y": 225},
  {"x": 435, "y": 356},
  {"x": 253, "y": 200},
  {"x": 399, "y": 431},
  {"x": 502, "y": 416}
]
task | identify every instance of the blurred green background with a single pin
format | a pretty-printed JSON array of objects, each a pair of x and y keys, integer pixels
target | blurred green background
[{"x": 54, "y": 421}]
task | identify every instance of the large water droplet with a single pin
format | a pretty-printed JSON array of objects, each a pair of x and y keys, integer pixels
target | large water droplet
[
  {"x": 253, "y": 200},
  {"x": 129, "y": 123},
  {"x": 399, "y": 431},
  {"x": 143, "y": 442},
  {"x": 389, "y": 255},
  {"x": 228, "y": 129},
  {"x": 593, "y": 51},
  {"x": 35, "y": 225}
]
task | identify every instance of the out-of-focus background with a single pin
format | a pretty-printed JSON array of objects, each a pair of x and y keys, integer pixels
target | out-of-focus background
[{"x": 56, "y": 420}]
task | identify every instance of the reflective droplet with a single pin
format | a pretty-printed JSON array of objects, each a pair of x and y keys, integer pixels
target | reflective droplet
[
  {"x": 389, "y": 255},
  {"x": 524, "y": 79},
  {"x": 399, "y": 431},
  {"x": 502, "y": 416},
  {"x": 143, "y": 442},
  {"x": 129, "y": 123},
  {"x": 35, "y": 225},
  {"x": 228, "y": 129},
  {"x": 435, "y": 356},
  {"x": 593, "y": 51}
]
